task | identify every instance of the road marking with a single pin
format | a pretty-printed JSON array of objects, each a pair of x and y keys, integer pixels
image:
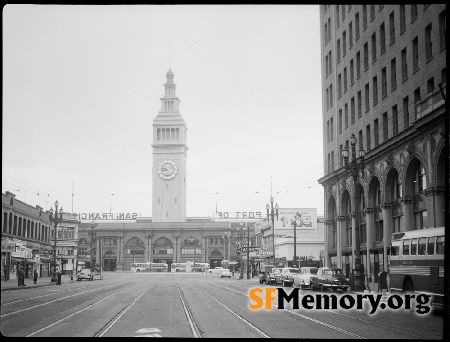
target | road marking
[
  {"x": 153, "y": 335},
  {"x": 147, "y": 330}
]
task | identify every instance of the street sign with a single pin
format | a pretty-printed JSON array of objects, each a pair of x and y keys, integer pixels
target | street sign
[{"x": 251, "y": 249}]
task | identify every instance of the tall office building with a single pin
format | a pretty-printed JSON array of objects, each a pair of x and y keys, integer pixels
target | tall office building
[{"x": 384, "y": 86}]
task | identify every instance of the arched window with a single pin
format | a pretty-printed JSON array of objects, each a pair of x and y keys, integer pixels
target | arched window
[
  {"x": 191, "y": 245},
  {"x": 362, "y": 218},
  {"x": 420, "y": 209},
  {"x": 82, "y": 241},
  {"x": 216, "y": 254},
  {"x": 134, "y": 247},
  {"x": 163, "y": 246},
  {"x": 378, "y": 217}
]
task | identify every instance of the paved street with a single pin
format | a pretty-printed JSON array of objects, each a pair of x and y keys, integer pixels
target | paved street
[{"x": 187, "y": 305}]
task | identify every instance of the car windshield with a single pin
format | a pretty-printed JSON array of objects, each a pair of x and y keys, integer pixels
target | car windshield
[
  {"x": 328, "y": 272},
  {"x": 337, "y": 272},
  {"x": 293, "y": 270},
  {"x": 276, "y": 270}
]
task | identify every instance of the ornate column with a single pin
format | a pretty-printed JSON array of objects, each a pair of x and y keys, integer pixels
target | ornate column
[
  {"x": 98, "y": 259},
  {"x": 370, "y": 239},
  {"x": 353, "y": 237},
  {"x": 328, "y": 243},
  {"x": 435, "y": 206},
  {"x": 150, "y": 237},
  {"x": 340, "y": 239},
  {"x": 387, "y": 231},
  {"x": 146, "y": 259},
  {"x": 407, "y": 208}
]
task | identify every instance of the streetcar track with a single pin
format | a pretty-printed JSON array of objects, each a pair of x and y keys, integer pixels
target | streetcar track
[
  {"x": 190, "y": 317},
  {"x": 110, "y": 324},
  {"x": 334, "y": 312},
  {"x": 75, "y": 313}
]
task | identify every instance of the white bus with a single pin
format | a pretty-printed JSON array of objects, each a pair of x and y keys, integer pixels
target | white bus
[{"x": 149, "y": 267}]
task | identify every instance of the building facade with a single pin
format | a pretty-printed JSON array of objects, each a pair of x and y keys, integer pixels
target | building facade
[
  {"x": 384, "y": 86},
  {"x": 28, "y": 239}
]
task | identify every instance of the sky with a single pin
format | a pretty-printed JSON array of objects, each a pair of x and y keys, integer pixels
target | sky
[{"x": 82, "y": 86}]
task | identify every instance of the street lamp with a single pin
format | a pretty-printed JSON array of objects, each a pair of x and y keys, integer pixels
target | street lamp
[
  {"x": 355, "y": 167},
  {"x": 54, "y": 278},
  {"x": 272, "y": 216},
  {"x": 296, "y": 217}
]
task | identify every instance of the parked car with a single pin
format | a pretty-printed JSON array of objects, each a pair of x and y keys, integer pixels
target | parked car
[
  {"x": 215, "y": 270},
  {"x": 303, "y": 278},
  {"x": 264, "y": 272},
  {"x": 287, "y": 275},
  {"x": 85, "y": 273},
  {"x": 225, "y": 273},
  {"x": 329, "y": 278},
  {"x": 273, "y": 276}
]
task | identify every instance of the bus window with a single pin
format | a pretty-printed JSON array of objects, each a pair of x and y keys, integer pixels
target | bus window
[
  {"x": 395, "y": 250},
  {"x": 430, "y": 248},
  {"x": 406, "y": 247},
  {"x": 422, "y": 246},
  {"x": 440, "y": 245},
  {"x": 413, "y": 246}
]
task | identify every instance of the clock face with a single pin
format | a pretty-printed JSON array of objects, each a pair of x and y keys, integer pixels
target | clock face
[{"x": 167, "y": 169}]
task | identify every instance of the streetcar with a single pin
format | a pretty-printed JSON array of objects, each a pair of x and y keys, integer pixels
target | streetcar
[
  {"x": 149, "y": 267},
  {"x": 417, "y": 262}
]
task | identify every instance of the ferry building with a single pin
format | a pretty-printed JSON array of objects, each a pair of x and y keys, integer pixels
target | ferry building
[{"x": 168, "y": 236}]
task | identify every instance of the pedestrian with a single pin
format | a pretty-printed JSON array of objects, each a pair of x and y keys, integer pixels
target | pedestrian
[
  {"x": 71, "y": 275},
  {"x": 35, "y": 275},
  {"x": 6, "y": 273},
  {"x": 20, "y": 277},
  {"x": 58, "y": 274}
]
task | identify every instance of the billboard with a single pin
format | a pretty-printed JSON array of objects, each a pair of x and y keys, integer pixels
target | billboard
[{"x": 305, "y": 218}]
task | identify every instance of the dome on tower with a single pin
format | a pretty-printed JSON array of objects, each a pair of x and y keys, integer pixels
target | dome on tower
[{"x": 169, "y": 73}]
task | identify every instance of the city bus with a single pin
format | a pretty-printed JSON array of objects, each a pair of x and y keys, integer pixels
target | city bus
[
  {"x": 149, "y": 267},
  {"x": 417, "y": 262}
]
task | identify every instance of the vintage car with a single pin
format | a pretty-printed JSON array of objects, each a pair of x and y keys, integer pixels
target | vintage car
[
  {"x": 287, "y": 275},
  {"x": 303, "y": 278},
  {"x": 273, "y": 276},
  {"x": 225, "y": 273},
  {"x": 85, "y": 273},
  {"x": 329, "y": 278},
  {"x": 215, "y": 270}
]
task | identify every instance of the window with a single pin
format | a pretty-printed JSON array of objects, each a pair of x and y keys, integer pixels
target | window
[
  {"x": 341, "y": 159},
  {"x": 442, "y": 29},
  {"x": 350, "y": 34},
  {"x": 332, "y": 160},
  {"x": 346, "y": 115},
  {"x": 413, "y": 12},
  {"x": 428, "y": 43},
  {"x": 405, "y": 247},
  {"x": 375, "y": 90},
  {"x": 374, "y": 48},
  {"x": 415, "y": 48},
  {"x": 360, "y": 139},
  {"x": 327, "y": 99},
  {"x": 382, "y": 38},
  {"x": 405, "y": 113},
  {"x": 422, "y": 246},
  {"x": 339, "y": 86},
  {"x": 383, "y": 83},
  {"x": 421, "y": 179},
  {"x": 358, "y": 65},
  {"x": 366, "y": 56},
  {"x": 353, "y": 109},
  {"x": 345, "y": 79},
  {"x": 343, "y": 12},
  {"x": 329, "y": 163},
  {"x": 375, "y": 132},
  {"x": 357, "y": 26},
  {"x": 349, "y": 7},
  {"x": 328, "y": 130},
  {"x": 393, "y": 75},
  {"x": 352, "y": 73},
  {"x": 416, "y": 102},
  {"x": 326, "y": 34},
  {"x": 394, "y": 120},
  {"x": 364, "y": 17},
  {"x": 392, "y": 27},
  {"x": 338, "y": 51},
  {"x": 402, "y": 18},
  {"x": 368, "y": 138},
  {"x": 359, "y": 104},
  {"x": 344, "y": 43},
  {"x": 440, "y": 245},
  {"x": 337, "y": 16},
  {"x": 444, "y": 76},
  {"x": 340, "y": 121},
  {"x": 367, "y": 97},
  {"x": 430, "y": 247},
  {"x": 385, "y": 126},
  {"x": 430, "y": 86},
  {"x": 404, "y": 66},
  {"x": 331, "y": 95},
  {"x": 329, "y": 29},
  {"x": 330, "y": 65}
]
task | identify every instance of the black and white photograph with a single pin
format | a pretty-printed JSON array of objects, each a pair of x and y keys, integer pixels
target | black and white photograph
[{"x": 224, "y": 171}]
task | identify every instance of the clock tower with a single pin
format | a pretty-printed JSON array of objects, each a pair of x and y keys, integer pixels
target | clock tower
[{"x": 169, "y": 159}]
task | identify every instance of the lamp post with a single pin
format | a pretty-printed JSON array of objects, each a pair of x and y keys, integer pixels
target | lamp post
[
  {"x": 54, "y": 278},
  {"x": 294, "y": 223},
  {"x": 355, "y": 167},
  {"x": 272, "y": 216},
  {"x": 92, "y": 237}
]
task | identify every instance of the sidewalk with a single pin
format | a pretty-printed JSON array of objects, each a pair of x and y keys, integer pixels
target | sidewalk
[{"x": 11, "y": 284}]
